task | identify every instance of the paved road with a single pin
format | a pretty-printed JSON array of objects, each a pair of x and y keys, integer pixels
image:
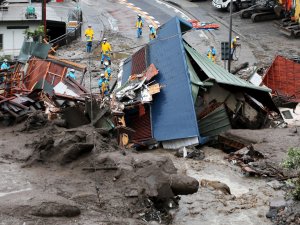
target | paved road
[{"x": 162, "y": 11}]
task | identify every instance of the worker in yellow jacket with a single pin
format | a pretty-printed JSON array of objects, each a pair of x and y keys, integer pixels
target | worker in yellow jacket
[
  {"x": 89, "y": 34},
  {"x": 234, "y": 44},
  {"x": 106, "y": 51},
  {"x": 139, "y": 25}
]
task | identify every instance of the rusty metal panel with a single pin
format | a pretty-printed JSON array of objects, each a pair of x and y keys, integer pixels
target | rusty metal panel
[
  {"x": 141, "y": 123},
  {"x": 36, "y": 71},
  {"x": 55, "y": 74},
  {"x": 139, "y": 63},
  {"x": 42, "y": 69},
  {"x": 283, "y": 77}
]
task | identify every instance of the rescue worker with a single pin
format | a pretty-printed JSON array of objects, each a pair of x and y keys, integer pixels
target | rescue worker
[
  {"x": 234, "y": 44},
  {"x": 106, "y": 51},
  {"x": 4, "y": 66},
  {"x": 89, "y": 34},
  {"x": 211, "y": 54},
  {"x": 152, "y": 32},
  {"x": 71, "y": 74},
  {"x": 139, "y": 25},
  {"x": 103, "y": 85},
  {"x": 107, "y": 70}
]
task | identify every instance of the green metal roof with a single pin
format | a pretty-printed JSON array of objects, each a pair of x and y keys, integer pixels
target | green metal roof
[{"x": 218, "y": 73}]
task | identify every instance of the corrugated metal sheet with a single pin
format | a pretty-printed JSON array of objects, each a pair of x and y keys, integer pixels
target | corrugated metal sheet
[
  {"x": 215, "y": 123},
  {"x": 141, "y": 124},
  {"x": 126, "y": 69},
  {"x": 39, "y": 69},
  {"x": 195, "y": 81},
  {"x": 218, "y": 73},
  {"x": 283, "y": 76},
  {"x": 139, "y": 62},
  {"x": 173, "y": 113},
  {"x": 33, "y": 48}
]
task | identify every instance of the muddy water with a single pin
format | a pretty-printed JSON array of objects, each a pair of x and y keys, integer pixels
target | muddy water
[
  {"x": 211, "y": 207},
  {"x": 13, "y": 180}
]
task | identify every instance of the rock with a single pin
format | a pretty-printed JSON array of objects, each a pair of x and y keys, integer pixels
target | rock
[
  {"x": 275, "y": 184},
  {"x": 196, "y": 154},
  {"x": 217, "y": 185},
  {"x": 276, "y": 205},
  {"x": 183, "y": 185},
  {"x": 39, "y": 204},
  {"x": 55, "y": 209},
  {"x": 75, "y": 151}
]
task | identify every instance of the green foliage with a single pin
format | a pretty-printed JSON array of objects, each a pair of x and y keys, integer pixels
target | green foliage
[
  {"x": 293, "y": 162},
  {"x": 34, "y": 34},
  {"x": 293, "y": 159}
]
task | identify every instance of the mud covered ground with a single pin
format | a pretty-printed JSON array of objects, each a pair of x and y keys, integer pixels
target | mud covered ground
[{"x": 42, "y": 183}]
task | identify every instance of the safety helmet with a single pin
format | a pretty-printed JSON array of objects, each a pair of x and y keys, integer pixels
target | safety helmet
[
  {"x": 104, "y": 39},
  {"x": 139, "y": 15},
  {"x": 89, "y": 25},
  {"x": 150, "y": 26},
  {"x": 5, "y": 60},
  {"x": 237, "y": 37},
  {"x": 106, "y": 63},
  {"x": 102, "y": 75},
  {"x": 72, "y": 70}
]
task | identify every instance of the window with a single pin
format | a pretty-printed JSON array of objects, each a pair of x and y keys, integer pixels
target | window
[{"x": 1, "y": 41}]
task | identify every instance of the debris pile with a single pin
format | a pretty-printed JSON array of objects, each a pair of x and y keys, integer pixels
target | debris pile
[
  {"x": 40, "y": 83},
  {"x": 130, "y": 106}
]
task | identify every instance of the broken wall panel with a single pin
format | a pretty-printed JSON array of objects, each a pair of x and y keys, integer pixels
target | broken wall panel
[
  {"x": 215, "y": 122},
  {"x": 283, "y": 77},
  {"x": 140, "y": 123}
]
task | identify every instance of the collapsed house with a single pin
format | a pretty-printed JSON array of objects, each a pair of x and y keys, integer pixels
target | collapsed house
[
  {"x": 198, "y": 99},
  {"x": 283, "y": 77},
  {"x": 38, "y": 82}
]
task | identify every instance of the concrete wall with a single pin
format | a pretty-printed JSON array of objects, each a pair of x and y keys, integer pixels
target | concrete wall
[{"x": 13, "y": 38}]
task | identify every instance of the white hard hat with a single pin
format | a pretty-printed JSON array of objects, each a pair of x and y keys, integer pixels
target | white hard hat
[
  {"x": 104, "y": 39},
  {"x": 5, "y": 60},
  {"x": 106, "y": 63},
  {"x": 102, "y": 75},
  {"x": 72, "y": 70},
  {"x": 237, "y": 37},
  {"x": 89, "y": 25},
  {"x": 139, "y": 15},
  {"x": 150, "y": 25}
]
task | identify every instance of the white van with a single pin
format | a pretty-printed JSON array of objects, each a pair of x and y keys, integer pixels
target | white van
[{"x": 236, "y": 4}]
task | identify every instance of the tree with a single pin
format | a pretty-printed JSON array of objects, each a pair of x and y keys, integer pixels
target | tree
[
  {"x": 293, "y": 162},
  {"x": 35, "y": 34}
]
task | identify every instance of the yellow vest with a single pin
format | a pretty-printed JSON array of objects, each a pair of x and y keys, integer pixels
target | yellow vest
[
  {"x": 105, "y": 47},
  {"x": 139, "y": 24},
  {"x": 89, "y": 32}
]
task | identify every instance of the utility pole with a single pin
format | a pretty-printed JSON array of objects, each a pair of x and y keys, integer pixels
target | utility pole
[
  {"x": 44, "y": 17},
  {"x": 230, "y": 31}
]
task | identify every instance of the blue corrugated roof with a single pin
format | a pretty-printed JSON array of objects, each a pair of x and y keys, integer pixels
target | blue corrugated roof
[{"x": 172, "y": 111}]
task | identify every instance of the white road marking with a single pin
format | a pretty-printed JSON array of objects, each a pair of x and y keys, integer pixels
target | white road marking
[{"x": 202, "y": 34}]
